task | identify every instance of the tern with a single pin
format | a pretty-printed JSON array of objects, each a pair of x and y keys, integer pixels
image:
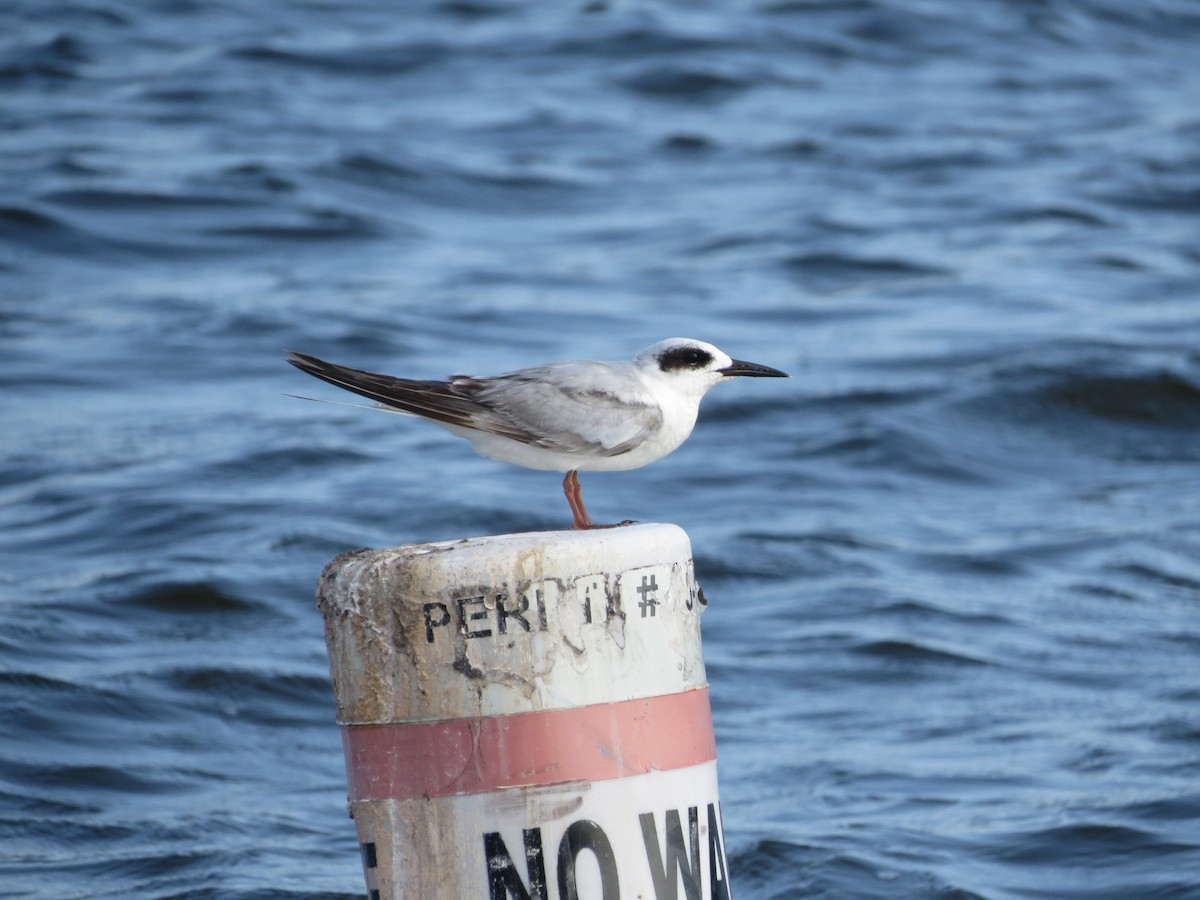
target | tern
[{"x": 565, "y": 416}]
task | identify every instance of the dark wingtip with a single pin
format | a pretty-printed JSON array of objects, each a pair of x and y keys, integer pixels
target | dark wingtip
[{"x": 302, "y": 360}]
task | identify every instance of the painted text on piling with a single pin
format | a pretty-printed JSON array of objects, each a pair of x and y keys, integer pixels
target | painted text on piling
[
  {"x": 672, "y": 860},
  {"x": 529, "y": 607}
]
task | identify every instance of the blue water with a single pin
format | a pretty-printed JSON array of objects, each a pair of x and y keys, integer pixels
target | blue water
[{"x": 953, "y": 564}]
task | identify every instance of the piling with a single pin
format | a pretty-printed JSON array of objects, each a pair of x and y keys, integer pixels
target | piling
[{"x": 526, "y": 717}]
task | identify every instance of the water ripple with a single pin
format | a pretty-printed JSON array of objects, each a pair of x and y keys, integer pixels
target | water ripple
[{"x": 951, "y": 564}]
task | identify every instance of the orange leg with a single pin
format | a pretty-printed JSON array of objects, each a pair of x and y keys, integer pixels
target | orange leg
[{"x": 575, "y": 497}]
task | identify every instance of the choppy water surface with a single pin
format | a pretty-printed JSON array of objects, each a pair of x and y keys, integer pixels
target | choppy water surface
[{"x": 953, "y": 564}]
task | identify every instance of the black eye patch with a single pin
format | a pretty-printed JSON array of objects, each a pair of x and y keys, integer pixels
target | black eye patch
[{"x": 684, "y": 358}]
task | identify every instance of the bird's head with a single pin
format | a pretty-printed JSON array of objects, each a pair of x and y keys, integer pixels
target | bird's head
[{"x": 693, "y": 366}]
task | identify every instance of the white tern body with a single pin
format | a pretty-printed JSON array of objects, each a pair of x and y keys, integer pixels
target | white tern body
[{"x": 567, "y": 416}]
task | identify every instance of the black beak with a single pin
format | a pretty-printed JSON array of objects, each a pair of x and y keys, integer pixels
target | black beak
[{"x": 751, "y": 370}]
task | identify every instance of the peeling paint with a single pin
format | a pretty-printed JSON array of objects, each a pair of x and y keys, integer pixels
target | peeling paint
[{"x": 484, "y": 627}]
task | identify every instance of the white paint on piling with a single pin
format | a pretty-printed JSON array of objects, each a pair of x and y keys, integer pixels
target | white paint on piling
[{"x": 526, "y": 716}]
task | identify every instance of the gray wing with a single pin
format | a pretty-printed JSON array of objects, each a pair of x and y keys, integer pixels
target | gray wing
[
  {"x": 565, "y": 406},
  {"x": 439, "y": 401},
  {"x": 581, "y": 406}
]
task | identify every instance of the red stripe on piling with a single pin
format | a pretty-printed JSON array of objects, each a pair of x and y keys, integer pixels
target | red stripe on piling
[{"x": 403, "y": 761}]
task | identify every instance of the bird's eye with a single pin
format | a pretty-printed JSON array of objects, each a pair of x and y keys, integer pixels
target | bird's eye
[{"x": 684, "y": 358}]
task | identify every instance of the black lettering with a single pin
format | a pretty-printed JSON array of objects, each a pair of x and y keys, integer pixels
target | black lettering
[
  {"x": 647, "y": 589},
  {"x": 718, "y": 870},
  {"x": 370, "y": 860},
  {"x": 541, "y": 608},
  {"x": 504, "y": 881},
  {"x": 677, "y": 859},
  {"x": 464, "y": 618},
  {"x": 595, "y": 594},
  {"x": 535, "y": 863},
  {"x": 580, "y": 836},
  {"x": 430, "y": 624},
  {"x": 506, "y": 614}
]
